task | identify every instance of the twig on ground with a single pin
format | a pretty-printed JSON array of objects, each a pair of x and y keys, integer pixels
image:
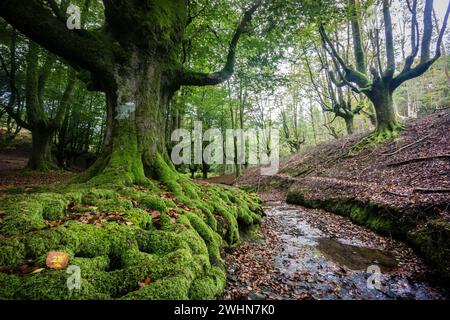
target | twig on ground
[
  {"x": 405, "y": 147},
  {"x": 427, "y": 190},
  {"x": 441, "y": 156}
]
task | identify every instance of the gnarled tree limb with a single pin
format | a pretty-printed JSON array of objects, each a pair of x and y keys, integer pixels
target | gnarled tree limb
[
  {"x": 38, "y": 23},
  {"x": 192, "y": 78}
]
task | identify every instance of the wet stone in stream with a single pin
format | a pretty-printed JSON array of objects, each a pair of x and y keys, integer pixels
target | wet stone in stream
[{"x": 313, "y": 254}]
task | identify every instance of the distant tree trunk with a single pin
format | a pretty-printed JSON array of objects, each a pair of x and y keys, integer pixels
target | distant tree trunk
[
  {"x": 41, "y": 126},
  {"x": 382, "y": 83},
  {"x": 311, "y": 113},
  {"x": 237, "y": 166},
  {"x": 40, "y": 158},
  {"x": 205, "y": 169},
  {"x": 349, "y": 124}
]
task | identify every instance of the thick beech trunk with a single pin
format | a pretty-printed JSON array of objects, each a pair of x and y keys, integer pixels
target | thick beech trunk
[
  {"x": 134, "y": 59},
  {"x": 384, "y": 110},
  {"x": 134, "y": 146}
]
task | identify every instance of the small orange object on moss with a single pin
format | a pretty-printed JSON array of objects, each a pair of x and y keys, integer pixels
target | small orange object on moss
[{"x": 57, "y": 260}]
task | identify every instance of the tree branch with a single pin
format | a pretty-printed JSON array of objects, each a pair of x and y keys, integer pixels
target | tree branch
[
  {"x": 427, "y": 31},
  {"x": 37, "y": 22},
  {"x": 191, "y": 78},
  {"x": 400, "y": 163},
  {"x": 425, "y": 61},
  {"x": 357, "y": 42},
  {"x": 390, "y": 55},
  {"x": 350, "y": 75},
  {"x": 11, "y": 74}
]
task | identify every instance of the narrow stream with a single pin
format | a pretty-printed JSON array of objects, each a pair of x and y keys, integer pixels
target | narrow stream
[{"x": 313, "y": 254}]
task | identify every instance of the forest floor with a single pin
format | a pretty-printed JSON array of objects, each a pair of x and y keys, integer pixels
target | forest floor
[
  {"x": 13, "y": 160},
  {"x": 307, "y": 253},
  {"x": 13, "y": 175}
]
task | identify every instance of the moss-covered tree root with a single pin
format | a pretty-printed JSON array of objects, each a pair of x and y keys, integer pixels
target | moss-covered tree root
[{"x": 159, "y": 240}]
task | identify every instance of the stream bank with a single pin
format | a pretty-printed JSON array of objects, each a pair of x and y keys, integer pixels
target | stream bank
[{"x": 307, "y": 253}]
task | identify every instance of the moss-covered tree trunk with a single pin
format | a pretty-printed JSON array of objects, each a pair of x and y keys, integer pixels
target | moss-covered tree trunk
[
  {"x": 134, "y": 60},
  {"x": 349, "y": 124},
  {"x": 386, "y": 122},
  {"x": 134, "y": 142},
  {"x": 40, "y": 157},
  {"x": 380, "y": 84}
]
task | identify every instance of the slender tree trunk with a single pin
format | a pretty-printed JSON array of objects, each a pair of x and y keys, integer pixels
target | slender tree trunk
[
  {"x": 40, "y": 157},
  {"x": 349, "y": 124},
  {"x": 205, "y": 169}
]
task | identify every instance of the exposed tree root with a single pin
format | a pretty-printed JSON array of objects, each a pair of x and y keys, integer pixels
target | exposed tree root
[
  {"x": 400, "y": 163},
  {"x": 157, "y": 239},
  {"x": 377, "y": 138}
]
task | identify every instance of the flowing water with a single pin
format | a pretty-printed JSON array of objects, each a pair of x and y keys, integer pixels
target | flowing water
[{"x": 320, "y": 255}]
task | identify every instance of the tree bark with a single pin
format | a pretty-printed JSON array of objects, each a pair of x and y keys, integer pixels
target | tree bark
[
  {"x": 349, "y": 124},
  {"x": 40, "y": 157},
  {"x": 134, "y": 144},
  {"x": 383, "y": 103}
]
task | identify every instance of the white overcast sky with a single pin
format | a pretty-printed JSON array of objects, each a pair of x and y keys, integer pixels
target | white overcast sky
[{"x": 440, "y": 6}]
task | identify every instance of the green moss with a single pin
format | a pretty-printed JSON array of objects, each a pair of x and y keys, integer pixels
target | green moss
[
  {"x": 433, "y": 240},
  {"x": 153, "y": 203},
  {"x": 229, "y": 229},
  {"x": 180, "y": 254},
  {"x": 378, "y": 138},
  {"x": 167, "y": 175},
  {"x": 54, "y": 206},
  {"x": 12, "y": 252},
  {"x": 100, "y": 263},
  {"x": 94, "y": 195},
  {"x": 52, "y": 285},
  {"x": 211, "y": 238},
  {"x": 173, "y": 288},
  {"x": 209, "y": 286},
  {"x": 21, "y": 214},
  {"x": 139, "y": 218}
]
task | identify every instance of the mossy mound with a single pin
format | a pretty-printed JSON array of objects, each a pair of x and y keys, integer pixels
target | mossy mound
[
  {"x": 161, "y": 240},
  {"x": 433, "y": 240}
]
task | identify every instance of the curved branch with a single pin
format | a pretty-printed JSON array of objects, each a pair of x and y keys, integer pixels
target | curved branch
[
  {"x": 427, "y": 31},
  {"x": 424, "y": 65},
  {"x": 350, "y": 75},
  {"x": 38, "y": 23},
  {"x": 192, "y": 78},
  {"x": 441, "y": 34}
]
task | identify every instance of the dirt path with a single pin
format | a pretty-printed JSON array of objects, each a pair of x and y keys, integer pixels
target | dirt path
[
  {"x": 313, "y": 254},
  {"x": 13, "y": 175}
]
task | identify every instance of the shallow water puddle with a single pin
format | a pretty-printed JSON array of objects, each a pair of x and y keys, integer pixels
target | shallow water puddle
[
  {"x": 356, "y": 258},
  {"x": 319, "y": 255}
]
